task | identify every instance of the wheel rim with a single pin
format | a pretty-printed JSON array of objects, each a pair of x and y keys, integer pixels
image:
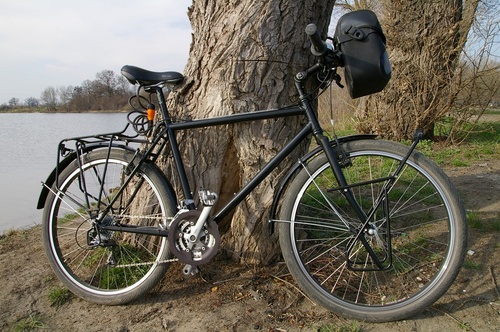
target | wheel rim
[
  {"x": 121, "y": 262},
  {"x": 411, "y": 277}
]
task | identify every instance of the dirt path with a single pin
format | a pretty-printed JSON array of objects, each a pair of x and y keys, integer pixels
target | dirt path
[{"x": 226, "y": 297}]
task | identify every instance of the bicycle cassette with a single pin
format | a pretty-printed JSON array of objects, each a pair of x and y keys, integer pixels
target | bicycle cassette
[{"x": 196, "y": 252}]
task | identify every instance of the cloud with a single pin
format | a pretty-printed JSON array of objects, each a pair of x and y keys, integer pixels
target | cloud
[{"x": 61, "y": 43}]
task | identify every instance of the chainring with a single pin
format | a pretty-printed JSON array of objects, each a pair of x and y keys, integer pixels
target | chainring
[{"x": 200, "y": 251}]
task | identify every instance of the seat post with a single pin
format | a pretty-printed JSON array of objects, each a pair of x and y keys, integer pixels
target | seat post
[
  {"x": 163, "y": 105},
  {"x": 181, "y": 171}
]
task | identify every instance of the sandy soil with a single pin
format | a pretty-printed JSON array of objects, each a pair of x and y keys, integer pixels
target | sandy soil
[{"x": 229, "y": 297}]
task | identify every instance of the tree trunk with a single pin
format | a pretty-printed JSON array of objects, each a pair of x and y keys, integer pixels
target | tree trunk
[
  {"x": 425, "y": 39},
  {"x": 243, "y": 58}
]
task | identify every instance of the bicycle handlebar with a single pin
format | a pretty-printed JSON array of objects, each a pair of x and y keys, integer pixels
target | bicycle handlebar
[{"x": 318, "y": 47}]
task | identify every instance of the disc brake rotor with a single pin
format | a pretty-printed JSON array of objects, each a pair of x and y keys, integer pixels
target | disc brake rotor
[{"x": 196, "y": 252}]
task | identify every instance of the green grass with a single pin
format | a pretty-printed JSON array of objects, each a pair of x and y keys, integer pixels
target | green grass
[
  {"x": 487, "y": 132},
  {"x": 111, "y": 277},
  {"x": 30, "y": 323},
  {"x": 493, "y": 111},
  {"x": 483, "y": 143},
  {"x": 474, "y": 220},
  {"x": 59, "y": 296},
  {"x": 71, "y": 216},
  {"x": 495, "y": 225},
  {"x": 472, "y": 265},
  {"x": 351, "y": 327},
  {"x": 477, "y": 222},
  {"x": 67, "y": 218}
]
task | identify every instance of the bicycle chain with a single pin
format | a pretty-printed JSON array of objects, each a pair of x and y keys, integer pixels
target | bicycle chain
[
  {"x": 172, "y": 260},
  {"x": 138, "y": 217}
]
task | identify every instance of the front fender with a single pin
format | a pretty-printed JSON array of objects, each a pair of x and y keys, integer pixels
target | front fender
[
  {"x": 296, "y": 168},
  {"x": 62, "y": 165}
]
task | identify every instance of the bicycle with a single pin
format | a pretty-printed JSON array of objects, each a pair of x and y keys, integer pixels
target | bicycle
[{"x": 369, "y": 229}]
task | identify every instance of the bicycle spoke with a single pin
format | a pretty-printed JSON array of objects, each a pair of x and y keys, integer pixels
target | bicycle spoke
[
  {"x": 396, "y": 257},
  {"x": 99, "y": 264}
]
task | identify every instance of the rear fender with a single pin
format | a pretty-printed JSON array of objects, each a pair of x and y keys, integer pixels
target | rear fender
[
  {"x": 297, "y": 167},
  {"x": 62, "y": 165}
]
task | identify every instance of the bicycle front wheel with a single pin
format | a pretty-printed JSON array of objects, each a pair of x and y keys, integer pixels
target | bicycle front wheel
[
  {"x": 401, "y": 261},
  {"x": 107, "y": 267}
]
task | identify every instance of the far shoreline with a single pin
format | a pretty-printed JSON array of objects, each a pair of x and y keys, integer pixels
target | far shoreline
[{"x": 25, "y": 111}]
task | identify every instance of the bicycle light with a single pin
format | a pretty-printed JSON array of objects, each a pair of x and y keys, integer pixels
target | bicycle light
[{"x": 151, "y": 112}]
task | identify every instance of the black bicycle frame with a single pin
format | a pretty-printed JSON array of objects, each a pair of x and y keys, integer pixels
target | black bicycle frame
[
  {"x": 312, "y": 127},
  {"x": 266, "y": 170},
  {"x": 166, "y": 134}
]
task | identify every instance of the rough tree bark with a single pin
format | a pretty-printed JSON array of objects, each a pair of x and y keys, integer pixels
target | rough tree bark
[
  {"x": 425, "y": 39},
  {"x": 243, "y": 58}
]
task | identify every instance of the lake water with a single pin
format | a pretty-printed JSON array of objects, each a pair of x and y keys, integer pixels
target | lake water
[{"x": 28, "y": 151}]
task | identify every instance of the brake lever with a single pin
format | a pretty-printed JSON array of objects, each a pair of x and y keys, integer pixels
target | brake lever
[{"x": 338, "y": 79}]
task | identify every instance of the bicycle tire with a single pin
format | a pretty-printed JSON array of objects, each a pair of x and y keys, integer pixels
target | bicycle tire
[
  {"x": 421, "y": 233},
  {"x": 109, "y": 267}
]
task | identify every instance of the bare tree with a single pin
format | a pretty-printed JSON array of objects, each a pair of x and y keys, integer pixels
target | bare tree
[
  {"x": 31, "y": 102},
  {"x": 477, "y": 79},
  {"x": 49, "y": 98},
  {"x": 65, "y": 95},
  {"x": 243, "y": 58},
  {"x": 13, "y": 102},
  {"x": 106, "y": 82},
  {"x": 425, "y": 40}
]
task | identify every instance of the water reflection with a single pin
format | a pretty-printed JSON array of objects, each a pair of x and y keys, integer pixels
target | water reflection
[{"x": 28, "y": 144}]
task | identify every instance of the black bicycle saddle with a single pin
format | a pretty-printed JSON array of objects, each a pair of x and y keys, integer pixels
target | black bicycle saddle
[{"x": 145, "y": 77}]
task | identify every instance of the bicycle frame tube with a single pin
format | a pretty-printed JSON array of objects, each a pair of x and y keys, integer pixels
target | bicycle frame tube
[
  {"x": 237, "y": 118},
  {"x": 172, "y": 127},
  {"x": 167, "y": 135},
  {"x": 231, "y": 119},
  {"x": 312, "y": 127},
  {"x": 264, "y": 172}
]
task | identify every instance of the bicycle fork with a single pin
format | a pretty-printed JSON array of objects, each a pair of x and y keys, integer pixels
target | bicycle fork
[
  {"x": 366, "y": 228},
  {"x": 381, "y": 261}
]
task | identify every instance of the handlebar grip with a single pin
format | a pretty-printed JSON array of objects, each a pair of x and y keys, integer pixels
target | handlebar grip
[{"x": 318, "y": 47}]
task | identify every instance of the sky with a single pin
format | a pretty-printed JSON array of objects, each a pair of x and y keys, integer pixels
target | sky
[{"x": 63, "y": 43}]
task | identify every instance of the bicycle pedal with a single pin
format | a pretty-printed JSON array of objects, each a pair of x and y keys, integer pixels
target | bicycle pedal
[{"x": 190, "y": 270}]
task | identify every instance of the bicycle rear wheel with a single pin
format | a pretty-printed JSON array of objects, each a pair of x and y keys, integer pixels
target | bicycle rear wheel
[
  {"x": 405, "y": 259},
  {"x": 107, "y": 267}
]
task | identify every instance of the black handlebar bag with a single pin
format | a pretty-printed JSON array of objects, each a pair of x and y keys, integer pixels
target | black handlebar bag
[{"x": 361, "y": 41}]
